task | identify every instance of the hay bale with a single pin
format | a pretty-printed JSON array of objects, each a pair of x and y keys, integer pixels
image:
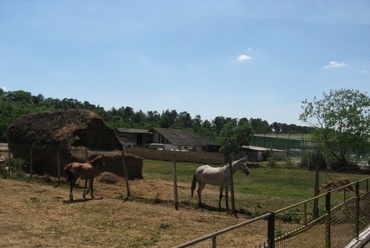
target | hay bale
[
  {"x": 108, "y": 178},
  {"x": 114, "y": 164},
  {"x": 336, "y": 183}
]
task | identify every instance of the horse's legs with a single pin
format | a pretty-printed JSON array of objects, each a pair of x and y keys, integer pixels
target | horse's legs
[
  {"x": 72, "y": 183},
  {"x": 199, "y": 191},
  {"x": 85, "y": 193},
  {"x": 227, "y": 197},
  {"x": 219, "y": 201},
  {"x": 92, "y": 187}
]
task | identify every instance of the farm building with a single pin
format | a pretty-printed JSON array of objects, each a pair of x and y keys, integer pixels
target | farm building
[
  {"x": 166, "y": 139},
  {"x": 257, "y": 154},
  {"x": 182, "y": 140},
  {"x": 50, "y": 138},
  {"x": 132, "y": 137}
]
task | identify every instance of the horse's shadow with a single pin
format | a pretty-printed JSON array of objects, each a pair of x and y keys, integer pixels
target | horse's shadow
[
  {"x": 82, "y": 200},
  {"x": 212, "y": 209},
  {"x": 217, "y": 209}
]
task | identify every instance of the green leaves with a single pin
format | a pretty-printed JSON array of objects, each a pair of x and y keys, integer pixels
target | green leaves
[
  {"x": 233, "y": 137},
  {"x": 342, "y": 119}
]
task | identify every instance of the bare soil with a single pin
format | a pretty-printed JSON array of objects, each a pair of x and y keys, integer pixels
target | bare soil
[{"x": 36, "y": 214}]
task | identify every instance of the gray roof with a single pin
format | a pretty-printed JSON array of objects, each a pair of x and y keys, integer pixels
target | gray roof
[
  {"x": 180, "y": 137},
  {"x": 131, "y": 130}
]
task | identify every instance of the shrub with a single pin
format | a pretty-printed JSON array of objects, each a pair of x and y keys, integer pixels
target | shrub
[{"x": 18, "y": 168}]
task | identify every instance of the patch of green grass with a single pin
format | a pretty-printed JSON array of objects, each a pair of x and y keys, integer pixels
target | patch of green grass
[{"x": 273, "y": 188}]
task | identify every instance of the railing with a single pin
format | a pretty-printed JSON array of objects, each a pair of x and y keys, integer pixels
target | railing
[
  {"x": 213, "y": 236},
  {"x": 329, "y": 220}
]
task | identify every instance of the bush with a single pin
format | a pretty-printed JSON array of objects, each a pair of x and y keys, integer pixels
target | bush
[
  {"x": 18, "y": 168},
  {"x": 271, "y": 161},
  {"x": 293, "y": 215},
  {"x": 266, "y": 155}
]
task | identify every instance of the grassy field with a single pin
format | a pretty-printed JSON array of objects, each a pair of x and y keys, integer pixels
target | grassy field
[
  {"x": 273, "y": 188},
  {"x": 36, "y": 214}
]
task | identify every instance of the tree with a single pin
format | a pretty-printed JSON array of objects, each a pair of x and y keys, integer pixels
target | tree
[
  {"x": 233, "y": 138},
  {"x": 342, "y": 124},
  {"x": 259, "y": 125},
  {"x": 184, "y": 120}
]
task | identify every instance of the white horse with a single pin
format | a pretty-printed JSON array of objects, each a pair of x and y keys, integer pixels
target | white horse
[{"x": 216, "y": 176}]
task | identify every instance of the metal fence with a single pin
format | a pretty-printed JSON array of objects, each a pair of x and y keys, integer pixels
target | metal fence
[{"x": 332, "y": 219}]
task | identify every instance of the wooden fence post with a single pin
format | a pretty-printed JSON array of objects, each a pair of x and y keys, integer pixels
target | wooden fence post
[
  {"x": 175, "y": 183},
  {"x": 232, "y": 187},
  {"x": 58, "y": 166},
  {"x": 31, "y": 163},
  {"x": 9, "y": 163},
  {"x": 316, "y": 191},
  {"x": 126, "y": 175},
  {"x": 358, "y": 209},
  {"x": 328, "y": 220},
  {"x": 271, "y": 230}
]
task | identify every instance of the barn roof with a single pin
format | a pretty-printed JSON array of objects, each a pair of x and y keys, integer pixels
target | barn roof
[
  {"x": 132, "y": 130},
  {"x": 261, "y": 149},
  {"x": 183, "y": 138}
]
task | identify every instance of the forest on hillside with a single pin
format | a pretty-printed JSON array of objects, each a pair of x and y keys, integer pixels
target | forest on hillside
[{"x": 14, "y": 104}]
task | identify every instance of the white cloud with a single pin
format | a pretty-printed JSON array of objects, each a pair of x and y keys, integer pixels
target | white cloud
[
  {"x": 365, "y": 71},
  {"x": 3, "y": 88},
  {"x": 334, "y": 64},
  {"x": 244, "y": 57}
]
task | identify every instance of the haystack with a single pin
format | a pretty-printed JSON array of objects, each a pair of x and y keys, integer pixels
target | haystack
[
  {"x": 337, "y": 183},
  {"x": 41, "y": 136}
]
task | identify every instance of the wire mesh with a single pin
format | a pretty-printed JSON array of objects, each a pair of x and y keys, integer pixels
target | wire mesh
[{"x": 343, "y": 223}]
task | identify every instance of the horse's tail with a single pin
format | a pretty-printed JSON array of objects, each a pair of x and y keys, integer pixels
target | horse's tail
[{"x": 193, "y": 184}]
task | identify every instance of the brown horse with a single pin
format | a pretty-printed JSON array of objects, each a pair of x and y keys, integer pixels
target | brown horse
[{"x": 85, "y": 171}]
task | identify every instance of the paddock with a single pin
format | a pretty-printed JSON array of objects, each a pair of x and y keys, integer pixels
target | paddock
[{"x": 147, "y": 218}]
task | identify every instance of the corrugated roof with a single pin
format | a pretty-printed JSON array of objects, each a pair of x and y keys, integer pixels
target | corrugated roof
[
  {"x": 131, "y": 130},
  {"x": 180, "y": 137},
  {"x": 258, "y": 148}
]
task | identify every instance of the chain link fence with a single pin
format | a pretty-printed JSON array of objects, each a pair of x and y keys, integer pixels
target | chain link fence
[{"x": 332, "y": 219}]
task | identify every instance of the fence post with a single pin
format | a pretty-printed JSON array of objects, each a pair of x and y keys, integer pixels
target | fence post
[
  {"x": 232, "y": 187},
  {"x": 126, "y": 175},
  {"x": 271, "y": 230},
  {"x": 357, "y": 209},
  {"x": 305, "y": 213},
  {"x": 58, "y": 166},
  {"x": 31, "y": 163},
  {"x": 9, "y": 163},
  {"x": 214, "y": 242},
  {"x": 175, "y": 183},
  {"x": 328, "y": 220},
  {"x": 316, "y": 191}
]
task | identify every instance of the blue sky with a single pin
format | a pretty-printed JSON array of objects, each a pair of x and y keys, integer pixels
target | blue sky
[{"x": 253, "y": 59}]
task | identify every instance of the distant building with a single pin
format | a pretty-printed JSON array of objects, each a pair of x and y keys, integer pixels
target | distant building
[
  {"x": 165, "y": 139},
  {"x": 131, "y": 137},
  {"x": 257, "y": 154}
]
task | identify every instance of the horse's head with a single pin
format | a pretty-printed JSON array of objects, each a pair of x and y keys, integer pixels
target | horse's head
[{"x": 243, "y": 166}]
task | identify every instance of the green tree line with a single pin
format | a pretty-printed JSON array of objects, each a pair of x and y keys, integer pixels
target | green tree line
[{"x": 14, "y": 104}]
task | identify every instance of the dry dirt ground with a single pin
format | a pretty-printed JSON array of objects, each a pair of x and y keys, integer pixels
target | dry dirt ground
[{"x": 36, "y": 214}]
